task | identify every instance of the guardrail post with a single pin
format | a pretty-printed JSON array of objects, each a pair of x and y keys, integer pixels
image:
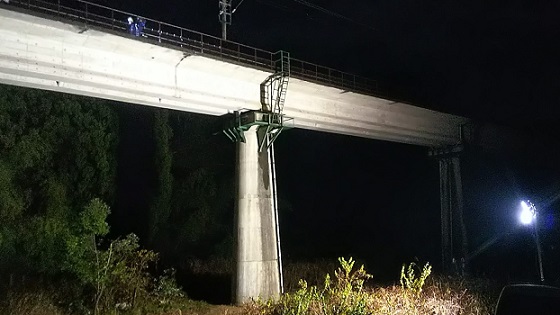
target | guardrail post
[
  {"x": 316, "y": 73},
  {"x": 181, "y": 36},
  {"x": 301, "y": 68}
]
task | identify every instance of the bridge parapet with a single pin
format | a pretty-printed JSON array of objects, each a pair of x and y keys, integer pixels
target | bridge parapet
[
  {"x": 43, "y": 52},
  {"x": 108, "y": 19}
]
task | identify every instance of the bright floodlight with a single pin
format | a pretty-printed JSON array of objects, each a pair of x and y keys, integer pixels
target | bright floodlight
[{"x": 527, "y": 213}]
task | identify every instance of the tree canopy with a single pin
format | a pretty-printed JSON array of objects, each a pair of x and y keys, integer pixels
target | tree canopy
[{"x": 57, "y": 152}]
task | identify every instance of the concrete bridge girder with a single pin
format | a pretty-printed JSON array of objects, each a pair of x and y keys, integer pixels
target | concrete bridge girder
[{"x": 46, "y": 54}]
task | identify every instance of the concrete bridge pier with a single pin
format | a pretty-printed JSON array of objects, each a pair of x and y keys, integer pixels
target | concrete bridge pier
[
  {"x": 256, "y": 235},
  {"x": 454, "y": 245}
]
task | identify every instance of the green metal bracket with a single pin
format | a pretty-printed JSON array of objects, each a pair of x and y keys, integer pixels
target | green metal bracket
[{"x": 271, "y": 117}]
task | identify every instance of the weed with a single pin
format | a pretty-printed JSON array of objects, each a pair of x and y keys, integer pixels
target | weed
[
  {"x": 347, "y": 294},
  {"x": 411, "y": 281},
  {"x": 166, "y": 288},
  {"x": 342, "y": 295}
]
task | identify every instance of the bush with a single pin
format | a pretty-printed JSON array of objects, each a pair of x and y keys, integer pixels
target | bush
[
  {"x": 312, "y": 271},
  {"x": 165, "y": 288},
  {"x": 411, "y": 281},
  {"x": 31, "y": 303},
  {"x": 116, "y": 280},
  {"x": 343, "y": 295},
  {"x": 122, "y": 274},
  {"x": 99, "y": 276},
  {"x": 115, "y": 273},
  {"x": 346, "y": 294}
]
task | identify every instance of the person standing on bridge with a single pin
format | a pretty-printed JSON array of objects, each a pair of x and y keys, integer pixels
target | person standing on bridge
[
  {"x": 131, "y": 26},
  {"x": 140, "y": 24}
]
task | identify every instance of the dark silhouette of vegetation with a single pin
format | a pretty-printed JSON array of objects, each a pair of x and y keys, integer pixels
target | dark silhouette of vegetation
[
  {"x": 58, "y": 170},
  {"x": 203, "y": 170},
  {"x": 57, "y": 153},
  {"x": 160, "y": 209}
]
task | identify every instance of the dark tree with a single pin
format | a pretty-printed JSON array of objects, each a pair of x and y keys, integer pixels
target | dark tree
[
  {"x": 57, "y": 152},
  {"x": 161, "y": 204}
]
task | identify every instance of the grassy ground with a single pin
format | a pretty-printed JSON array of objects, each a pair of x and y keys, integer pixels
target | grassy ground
[
  {"x": 439, "y": 296},
  {"x": 349, "y": 290}
]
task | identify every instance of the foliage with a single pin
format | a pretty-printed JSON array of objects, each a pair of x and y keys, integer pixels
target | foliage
[
  {"x": 63, "y": 298},
  {"x": 31, "y": 303},
  {"x": 57, "y": 164},
  {"x": 411, "y": 281},
  {"x": 160, "y": 209},
  {"x": 344, "y": 295},
  {"x": 56, "y": 154},
  {"x": 312, "y": 271},
  {"x": 466, "y": 295},
  {"x": 299, "y": 302},
  {"x": 114, "y": 276},
  {"x": 122, "y": 270},
  {"x": 165, "y": 288},
  {"x": 203, "y": 189},
  {"x": 81, "y": 246},
  {"x": 191, "y": 209},
  {"x": 347, "y": 294},
  {"x": 117, "y": 274}
]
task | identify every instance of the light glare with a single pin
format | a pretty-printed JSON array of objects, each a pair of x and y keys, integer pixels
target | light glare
[
  {"x": 527, "y": 214},
  {"x": 526, "y": 217}
]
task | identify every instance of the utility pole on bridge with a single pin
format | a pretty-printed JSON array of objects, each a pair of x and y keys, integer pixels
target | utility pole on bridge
[{"x": 225, "y": 16}]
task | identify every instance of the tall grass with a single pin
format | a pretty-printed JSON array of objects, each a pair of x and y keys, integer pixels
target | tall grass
[
  {"x": 31, "y": 303},
  {"x": 347, "y": 290},
  {"x": 347, "y": 293}
]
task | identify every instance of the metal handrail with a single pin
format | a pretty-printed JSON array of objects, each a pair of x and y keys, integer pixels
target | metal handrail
[{"x": 106, "y": 18}]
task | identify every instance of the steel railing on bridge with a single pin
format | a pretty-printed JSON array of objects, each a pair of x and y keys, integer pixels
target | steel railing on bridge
[{"x": 109, "y": 19}]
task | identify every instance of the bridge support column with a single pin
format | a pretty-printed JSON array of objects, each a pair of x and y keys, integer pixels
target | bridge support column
[
  {"x": 454, "y": 243},
  {"x": 256, "y": 235}
]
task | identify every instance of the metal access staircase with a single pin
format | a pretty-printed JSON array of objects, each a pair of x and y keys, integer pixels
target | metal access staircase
[
  {"x": 271, "y": 116},
  {"x": 274, "y": 88},
  {"x": 273, "y": 97}
]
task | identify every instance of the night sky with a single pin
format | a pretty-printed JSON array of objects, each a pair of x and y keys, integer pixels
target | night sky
[
  {"x": 494, "y": 61},
  {"x": 490, "y": 61}
]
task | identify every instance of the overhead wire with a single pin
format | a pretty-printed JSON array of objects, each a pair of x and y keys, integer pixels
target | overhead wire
[
  {"x": 332, "y": 13},
  {"x": 278, "y": 5},
  {"x": 237, "y": 6}
]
